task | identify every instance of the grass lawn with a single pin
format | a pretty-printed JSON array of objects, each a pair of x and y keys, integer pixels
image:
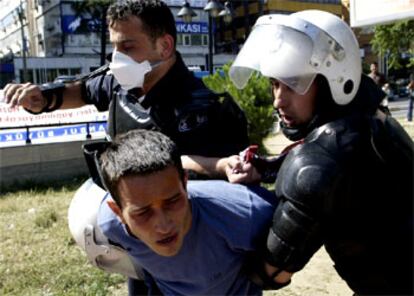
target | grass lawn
[{"x": 38, "y": 255}]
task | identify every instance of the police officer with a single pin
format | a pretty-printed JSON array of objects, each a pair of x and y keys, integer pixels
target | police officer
[
  {"x": 148, "y": 86},
  {"x": 347, "y": 183}
]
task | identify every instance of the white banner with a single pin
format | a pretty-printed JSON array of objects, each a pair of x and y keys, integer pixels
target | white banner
[
  {"x": 18, "y": 117},
  {"x": 17, "y": 125},
  {"x": 375, "y": 12}
]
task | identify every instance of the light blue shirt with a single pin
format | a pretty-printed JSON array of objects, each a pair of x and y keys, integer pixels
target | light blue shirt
[{"x": 227, "y": 222}]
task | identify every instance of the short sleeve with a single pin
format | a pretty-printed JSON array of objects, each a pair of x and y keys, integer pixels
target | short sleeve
[
  {"x": 240, "y": 214},
  {"x": 99, "y": 91}
]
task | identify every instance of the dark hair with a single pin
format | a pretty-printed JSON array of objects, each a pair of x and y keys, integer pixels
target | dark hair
[
  {"x": 137, "y": 152},
  {"x": 155, "y": 15}
]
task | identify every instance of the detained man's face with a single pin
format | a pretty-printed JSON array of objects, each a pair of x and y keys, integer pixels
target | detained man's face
[
  {"x": 156, "y": 209},
  {"x": 294, "y": 109}
]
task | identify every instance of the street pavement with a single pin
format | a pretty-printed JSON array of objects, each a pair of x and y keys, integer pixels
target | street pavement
[{"x": 399, "y": 107}]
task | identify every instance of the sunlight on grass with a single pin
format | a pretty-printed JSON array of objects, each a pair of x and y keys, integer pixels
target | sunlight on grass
[{"x": 38, "y": 255}]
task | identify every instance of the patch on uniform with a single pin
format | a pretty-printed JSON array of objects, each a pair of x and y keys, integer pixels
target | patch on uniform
[{"x": 191, "y": 122}]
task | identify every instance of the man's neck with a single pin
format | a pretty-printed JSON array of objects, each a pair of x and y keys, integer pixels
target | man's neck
[{"x": 158, "y": 73}]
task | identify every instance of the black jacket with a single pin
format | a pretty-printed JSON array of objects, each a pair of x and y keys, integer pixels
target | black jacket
[
  {"x": 199, "y": 121},
  {"x": 349, "y": 187}
]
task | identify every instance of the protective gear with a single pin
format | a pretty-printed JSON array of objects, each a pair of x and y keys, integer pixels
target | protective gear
[
  {"x": 53, "y": 92},
  {"x": 126, "y": 113},
  {"x": 295, "y": 48},
  {"x": 129, "y": 73},
  {"x": 349, "y": 187},
  {"x": 82, "y": 222}
]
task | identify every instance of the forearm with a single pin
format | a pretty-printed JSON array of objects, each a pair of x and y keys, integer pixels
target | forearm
[
  {"x": 72, "y": 96},
  {"x": 212, "y": 167}
]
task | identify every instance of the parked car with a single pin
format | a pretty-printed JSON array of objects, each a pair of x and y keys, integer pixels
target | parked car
[
  {"x": 402, "y": 90},
  {"x": 65, "y": 78}
]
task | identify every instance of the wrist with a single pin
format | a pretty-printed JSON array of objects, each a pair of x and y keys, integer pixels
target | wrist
[
  {"x": 52, "y": 94},
  {"x": 220, "y": 166}
]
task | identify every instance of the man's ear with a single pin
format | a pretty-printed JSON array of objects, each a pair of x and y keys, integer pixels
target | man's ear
[
  {"x": 166, "y": 45},
  {"x": 185, "y": 180},
  {"x": 116, "y": 209}
]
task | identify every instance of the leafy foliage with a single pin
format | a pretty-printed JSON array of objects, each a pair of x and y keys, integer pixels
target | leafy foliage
[
  {"x": 93, "y": 7},
  {"x": 255, "y": 100},
  {"x": 392, "y": 40}
]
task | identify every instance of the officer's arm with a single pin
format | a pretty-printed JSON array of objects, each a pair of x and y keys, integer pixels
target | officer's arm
[
  {"x": 44, "y": 98},
  {"x": 212, "y": 167},
  {"x": 72, "y": 96},
  {"x": 50, "y": 96},
  {"x": 304, "y": 185}
]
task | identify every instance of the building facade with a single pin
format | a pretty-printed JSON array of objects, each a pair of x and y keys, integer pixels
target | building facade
[{"x": 48, "y": 38}]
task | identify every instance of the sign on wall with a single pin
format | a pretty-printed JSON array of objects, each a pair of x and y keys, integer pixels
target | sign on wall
[
  {"x": 191, "y": 28},
  {"x": 72, "y": 24},
  {"x": 193, "y": 3}
]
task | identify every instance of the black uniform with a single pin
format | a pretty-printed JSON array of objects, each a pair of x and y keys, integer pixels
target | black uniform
[
  {"x": 349, "y": 186},
  {"x": 199, "y": 121}
]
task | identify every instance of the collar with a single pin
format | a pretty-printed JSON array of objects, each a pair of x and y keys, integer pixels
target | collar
[{"x": 171, "y": 83}]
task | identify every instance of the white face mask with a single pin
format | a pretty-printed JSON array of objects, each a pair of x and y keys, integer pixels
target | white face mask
[{"x": 128, "y": 72}]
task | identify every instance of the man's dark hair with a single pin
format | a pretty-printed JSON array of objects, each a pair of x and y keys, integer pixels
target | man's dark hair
[
  {"x": 155, "y": 15},
  {"x": 137, "y": 152}
]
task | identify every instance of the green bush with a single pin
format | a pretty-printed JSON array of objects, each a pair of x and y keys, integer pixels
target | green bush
[{"x": 255, "y": 100}]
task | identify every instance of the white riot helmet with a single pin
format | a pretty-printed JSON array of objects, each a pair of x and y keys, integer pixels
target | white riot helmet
[
  {"x": 295, "y": 48},
  {"x": 82, "y": 222}
]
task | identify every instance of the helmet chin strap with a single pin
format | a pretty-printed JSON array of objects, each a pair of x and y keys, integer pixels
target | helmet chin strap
[{"x": 299, "y": 132}]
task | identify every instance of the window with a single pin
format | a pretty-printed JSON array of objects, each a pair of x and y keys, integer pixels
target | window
[
  {"x": 192, "y": 39},
  {"x": 196, "y": 39},
  {"x": 179, "y": 39},
  {"x": 186, "y": 40},
  {"x": 51, "y": 74},
  {"x": 29, "y": 76},
  {"x": 74, "y": 71},
  {"x": 204, "y": 39},
  {"x": 63, "y": 71}
]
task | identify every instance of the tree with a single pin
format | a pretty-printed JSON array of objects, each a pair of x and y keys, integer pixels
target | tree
[
  {"x": 393, "y": 39},
  {"x": 97, "y": 9},
  {"x": 255, "y": 100}
]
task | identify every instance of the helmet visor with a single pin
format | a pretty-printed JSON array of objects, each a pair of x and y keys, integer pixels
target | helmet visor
[{"x": 279, "y": 52}]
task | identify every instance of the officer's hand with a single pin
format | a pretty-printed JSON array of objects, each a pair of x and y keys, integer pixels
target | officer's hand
[
  {"x": 238, "y": 171},
  {"x": 27, "y": 95},
  {"x": 281, "y": 278}
]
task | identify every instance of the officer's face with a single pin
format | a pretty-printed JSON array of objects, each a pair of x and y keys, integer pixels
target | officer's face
[
  {"x": 294, "y": 109},
  {"x": 155, "y": 209},
  {"x": 127, "y": 36}
]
